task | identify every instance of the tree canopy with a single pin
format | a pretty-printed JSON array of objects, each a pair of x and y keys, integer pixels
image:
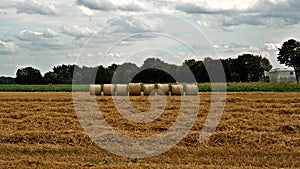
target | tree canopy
[
  {"x": 29, "y": 75},
  {"x": 289, "y": 54}
]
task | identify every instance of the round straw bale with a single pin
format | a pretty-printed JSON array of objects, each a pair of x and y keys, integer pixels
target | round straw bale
[
  {"x": 163, "y": 89},
  {"x": 148, "y": 88},
  {"x": 108, "y": 89},
  {"x": 191, "y": 89},
  {"x": 121, "y": 89},
  {"x": 95, "y": 89},
  {"x": 135, "y": 89},
  {"x": 177, "y": 89}
]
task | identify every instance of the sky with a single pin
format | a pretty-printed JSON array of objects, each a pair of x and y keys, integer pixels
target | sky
[{"x": 43, "y": 34}]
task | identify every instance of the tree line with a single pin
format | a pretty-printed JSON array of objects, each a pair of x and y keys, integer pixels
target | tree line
[{"x": 244, "y": 68}]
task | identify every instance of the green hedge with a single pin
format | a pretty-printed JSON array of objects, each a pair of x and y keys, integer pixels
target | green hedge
[
  {"x": 43, "y": 88},
  {"x": 253, "y": 87}
]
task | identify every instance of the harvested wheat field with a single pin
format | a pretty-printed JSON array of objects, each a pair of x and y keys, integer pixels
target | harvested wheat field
[{"x": 257, "y": 130}]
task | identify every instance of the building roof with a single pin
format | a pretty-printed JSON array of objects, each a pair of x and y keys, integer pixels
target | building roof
[{"x": 282, "y": 70}]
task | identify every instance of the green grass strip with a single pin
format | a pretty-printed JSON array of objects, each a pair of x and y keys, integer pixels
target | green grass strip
[{"x": 43, "y": 88}]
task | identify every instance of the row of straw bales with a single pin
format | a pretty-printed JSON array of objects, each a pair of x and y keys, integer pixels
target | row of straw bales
[{"x": 137, "y": 89}]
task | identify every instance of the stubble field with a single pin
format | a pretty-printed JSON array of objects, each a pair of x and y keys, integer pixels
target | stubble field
[{"x": 257, "y": 129}]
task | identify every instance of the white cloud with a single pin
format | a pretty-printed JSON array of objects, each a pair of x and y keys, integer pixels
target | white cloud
[
  {"x": 236, "y": 48},
  {"x": 205, "y": 24},
  {"x": 136, "y": 24},
  {"x": 115, "y": 55},
  {"x": 2, "y": 12},
  {"x": 73, "y": 56},
  {"x": 86, "y": 11},
  {"x": 50, "y": 33},
  {"x": 27, "y": 35},
  {"x": 7, "y": 47},
  {"x": 37, "y": 7},
  {"x": 276, "y": 1},
  {"x": 78, "y": 32},
  {"x": 272, "y": 46},
  {"x": 39, "y": 41},
  {"x": 124, "y": 43}
]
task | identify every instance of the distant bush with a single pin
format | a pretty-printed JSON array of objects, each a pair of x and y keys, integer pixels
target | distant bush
[{"x": 7, "y": 80}]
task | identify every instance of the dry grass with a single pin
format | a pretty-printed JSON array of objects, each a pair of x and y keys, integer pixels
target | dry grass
[{"x": 257, "y": 130}]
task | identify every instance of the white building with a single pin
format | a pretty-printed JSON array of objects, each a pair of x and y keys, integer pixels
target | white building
[{"x": 281, "y": 75}]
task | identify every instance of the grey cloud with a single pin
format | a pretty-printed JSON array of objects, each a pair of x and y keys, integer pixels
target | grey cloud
[
  {"x": 228, "y": 28},
  {"x": 264, "y": 12},
  {"x": 294, "y": 3},
  {"x": 96, "y": 4},
  {"x": 37, "y": 7},
  {"x": 106, "y": 5},
  {"x": 193, "y": 8},
  {"x": 57, "y": 44}
]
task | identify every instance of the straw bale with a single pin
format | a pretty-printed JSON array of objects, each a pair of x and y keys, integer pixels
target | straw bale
[
  {"x": 163, "y": 89},
  {"x": 121, "y": 89},
  {"x": 135, "y": 89},
  {"x": 108, "y": 89},
  {"x": 177, "y": 89},
  {"x": 148, "y": 88},
  {"x": 95, "y": 89},
  {"x": 191, "y": 89}
]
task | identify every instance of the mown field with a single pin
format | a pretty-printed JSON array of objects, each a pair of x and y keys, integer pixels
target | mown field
[
  {"x": 203, "y": 87},
  {"x": 257, "y": 130}
]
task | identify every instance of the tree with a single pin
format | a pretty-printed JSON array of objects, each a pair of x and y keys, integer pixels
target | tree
[
  {"x": 198, "y": 69},
  {"x": 125, "y": 73},
  {"x": 289, "y": 54},
  {"x": 251, "y": 67},
  {"x": 64, "y": 73},
  {"x": 215, "y": 70},
  {"x": 29, "y": 75},
  {"x": 104, "y": 75}
]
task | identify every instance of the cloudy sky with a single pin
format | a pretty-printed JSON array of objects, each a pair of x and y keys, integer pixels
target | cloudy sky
[{"x": 46, "y": 33}]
